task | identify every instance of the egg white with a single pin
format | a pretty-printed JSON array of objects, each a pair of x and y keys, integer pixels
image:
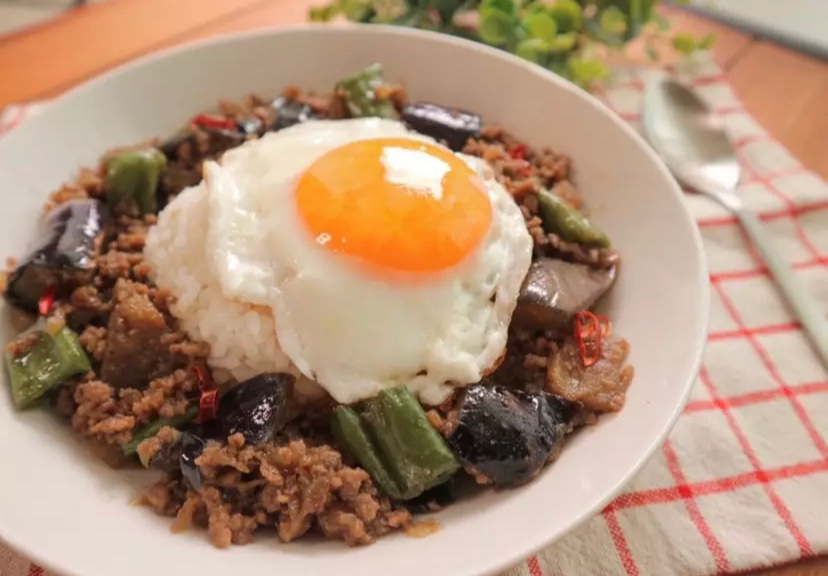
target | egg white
[{"x": 353, "y": 332}]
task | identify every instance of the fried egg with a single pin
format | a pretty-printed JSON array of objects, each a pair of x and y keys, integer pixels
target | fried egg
[{"x": 383, "y": 257}]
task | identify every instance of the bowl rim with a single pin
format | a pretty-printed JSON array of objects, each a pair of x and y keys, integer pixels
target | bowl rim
[{"x": 541, "y": 540}]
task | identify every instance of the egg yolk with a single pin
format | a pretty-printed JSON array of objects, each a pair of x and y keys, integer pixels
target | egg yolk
[{"x": 395, "y": 203}]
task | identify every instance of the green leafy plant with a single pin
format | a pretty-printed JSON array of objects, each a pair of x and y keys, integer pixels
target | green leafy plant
[{"x": 570, "y": 37}]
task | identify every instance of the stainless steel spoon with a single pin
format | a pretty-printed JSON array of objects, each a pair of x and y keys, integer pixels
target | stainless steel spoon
[{"x": 693, "y": 143}]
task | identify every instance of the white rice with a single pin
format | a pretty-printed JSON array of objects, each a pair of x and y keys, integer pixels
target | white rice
[{"x": 242, "y": 337}]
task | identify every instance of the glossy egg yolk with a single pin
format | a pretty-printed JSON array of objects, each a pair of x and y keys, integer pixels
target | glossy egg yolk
[{"x": 397, "y": 204}]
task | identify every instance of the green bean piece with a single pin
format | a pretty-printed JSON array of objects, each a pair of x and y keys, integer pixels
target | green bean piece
[
  {"x": 414, "y": 452},
  {"x": 562, "y": 219},
  {"x": 360, "y": 94},
  {"x": 351, "y": 435},
  {"x": 132, "y": 177},
  {"x": 44, "y": 357},
  {"x": 151, "y": 429}
]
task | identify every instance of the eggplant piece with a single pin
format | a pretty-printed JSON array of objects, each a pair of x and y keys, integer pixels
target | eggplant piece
[
  {"x": 256, "y": 408},
  {"x": 504, "y": 436},
  {"x": 432, "y": 500},
  {"x": 135, "y": 352},
  {"x": 191, "y": 448},
  {"x": 171, "y": 147},
  {"x": 289, "y": 112},
  {"x": 180, "y": 455},
  {"x": 167, "y": 457},
  {"x": 68, "y": 242},
  {"x": 452, "y": 125},
  {"x": 250, "y": 126},
  {"x": 554, "y": 291}
]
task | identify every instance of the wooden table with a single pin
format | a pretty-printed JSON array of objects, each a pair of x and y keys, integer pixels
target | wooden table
[{"x": 785, "y": 91}]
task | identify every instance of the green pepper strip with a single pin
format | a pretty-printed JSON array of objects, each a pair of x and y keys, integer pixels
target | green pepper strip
[
  {"x": 562, "y": 219},
  {"x": 349, "y": 432},
  {"x": 151, "y": 429},
  {"x": 133, "y": 176},
  {"x": 360, "y": 93},
  {"x": 394, "y": 441},
  {"x": 55, "y": 357}
]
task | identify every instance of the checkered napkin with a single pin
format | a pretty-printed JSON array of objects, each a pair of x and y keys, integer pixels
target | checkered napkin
[{"x": 742, "y": 481}]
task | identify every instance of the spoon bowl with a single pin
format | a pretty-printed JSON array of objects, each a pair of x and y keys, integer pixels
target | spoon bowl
[
  {"x": 691, "y": 139},
  {"x": 693, "y": 142}
]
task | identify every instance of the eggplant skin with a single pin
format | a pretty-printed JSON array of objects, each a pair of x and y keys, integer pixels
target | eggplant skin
[
  {"x": 508, "y": 435},
  {"x": 256, "y": 408},
  {"x": 441, "y": 123},
  {"x": 168, "y": 458},
  {"x": 289, "y": 112},
  {"x": 190, "y": 448},
  {"x": 68, "y": 242}
]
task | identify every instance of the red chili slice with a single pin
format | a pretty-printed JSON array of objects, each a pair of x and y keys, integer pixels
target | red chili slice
[
  {"x": 518, "y": 152},
  {"x": 46, "y": 302},
  {"x": 588, "y": 334},
  {"x": 208, "y": 403},
  {"x": 205, "y": 121}
]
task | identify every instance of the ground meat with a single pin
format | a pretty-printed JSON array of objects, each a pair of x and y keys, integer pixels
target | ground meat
[
  {"x": 150, "y": 447},
  {"x": 601, "y": 387},
  {"x": 294, "y": 487},
  {"x": 97, "y": 414}
]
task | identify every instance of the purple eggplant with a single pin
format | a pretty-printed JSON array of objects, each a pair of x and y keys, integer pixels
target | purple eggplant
[
  {"x": 256, "y": 408},
  {"x": 290, "y": 112},
  {"x": 441, "y": 123},
  {"x": 504, "y": 436},
  {"x": 64, "y": 257},
  {"x": 172, "y": 146},
  {"x": 554, "y": 291},
  {"x": 190, "y": 448}
]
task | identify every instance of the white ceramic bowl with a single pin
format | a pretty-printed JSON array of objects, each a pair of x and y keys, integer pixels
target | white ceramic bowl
[{"x": 61, "y": 507}]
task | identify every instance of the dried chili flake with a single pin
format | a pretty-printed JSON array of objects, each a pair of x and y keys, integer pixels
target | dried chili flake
[
  {"x": 208, "y": 403},
  {"x": 206, "y": 121},
  {"x": 589, "y": 333}
]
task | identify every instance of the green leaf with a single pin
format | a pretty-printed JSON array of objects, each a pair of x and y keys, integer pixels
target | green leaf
[
  {"x": 685, "y": 43},
  {"x": 585, "y": 71},
  {"x": 613, "y": 21},
  {"x": 496, "y": 28},
  {"x": 651, "y": 52},
  {"x": 707, "y": 42},
  {"x": 662, "y": 23},
  {"x": 568, "y": 14},
  {"x": 322, "y": 13},
  {"x": 506, "y": 7},
  {"x": 533, "y": 49},
  {"x": 356, "y": 10},
  {"x": 446, "y": 8},
  {"x": 563, "y": 43},
  {"x": 541, "y": 26},
  {"x": 386, "y": 11}
]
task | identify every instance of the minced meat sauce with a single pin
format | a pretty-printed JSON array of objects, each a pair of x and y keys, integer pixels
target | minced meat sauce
[{"x": 300, "y": 482}]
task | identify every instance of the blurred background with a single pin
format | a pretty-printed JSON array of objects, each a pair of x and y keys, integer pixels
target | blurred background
[{"x": 799, "y": 24}]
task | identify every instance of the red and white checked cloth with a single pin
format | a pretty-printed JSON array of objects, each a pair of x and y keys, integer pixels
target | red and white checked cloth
[{"x": 742, "y": 481}]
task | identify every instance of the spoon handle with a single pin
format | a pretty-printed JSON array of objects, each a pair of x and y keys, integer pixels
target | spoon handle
[{"x": 803, "y": 305}]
